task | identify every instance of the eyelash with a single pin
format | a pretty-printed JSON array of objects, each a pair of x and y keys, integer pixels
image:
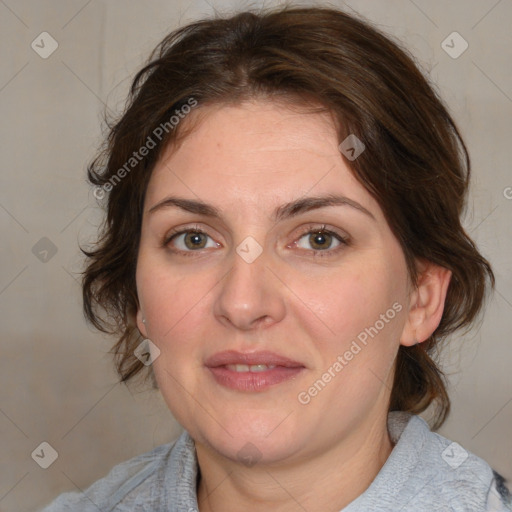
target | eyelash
[{"x": 312, "y": 229}]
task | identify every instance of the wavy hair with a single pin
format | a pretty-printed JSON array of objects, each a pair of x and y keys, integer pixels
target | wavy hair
[{"x": 415, "y": 165}]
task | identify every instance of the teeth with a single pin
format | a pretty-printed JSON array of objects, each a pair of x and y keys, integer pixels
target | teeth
[
  {"x": 261, "y": 367},
  {"x": 251, "y": 368}
]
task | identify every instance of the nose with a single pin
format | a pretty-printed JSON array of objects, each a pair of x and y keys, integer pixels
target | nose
[{"x": 250, "y": 296}]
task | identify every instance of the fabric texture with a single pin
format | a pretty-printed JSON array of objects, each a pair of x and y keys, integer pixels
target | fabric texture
[{"x": 424, "y": 472}]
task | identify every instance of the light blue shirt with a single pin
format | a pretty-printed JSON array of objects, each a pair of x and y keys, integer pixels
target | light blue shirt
[{"x": 425, "y": 472}]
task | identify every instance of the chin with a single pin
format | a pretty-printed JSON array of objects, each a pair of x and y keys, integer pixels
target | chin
[
  {"x": 264, "y": 440},
  {"x": 249, "y": 450}
]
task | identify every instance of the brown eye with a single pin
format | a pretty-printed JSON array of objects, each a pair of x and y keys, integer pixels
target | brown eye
[
  {"x": 320, "y": 240},
  {"x": 195, "y": 240},
  {"x": 190, "y": 241}
]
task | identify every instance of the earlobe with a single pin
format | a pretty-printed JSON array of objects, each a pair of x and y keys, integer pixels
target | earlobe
[
  {"x": 141, "y": 323},
  {"x": 427, "y": 304}
]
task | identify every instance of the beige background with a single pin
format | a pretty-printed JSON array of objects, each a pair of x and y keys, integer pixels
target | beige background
[{"x": 56, "y": 380}]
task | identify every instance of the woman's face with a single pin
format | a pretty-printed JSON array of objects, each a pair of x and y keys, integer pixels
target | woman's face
[{"x": 258, "y": 278}]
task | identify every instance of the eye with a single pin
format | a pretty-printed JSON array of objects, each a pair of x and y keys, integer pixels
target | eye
[
  {"x": 189, "y": 240},
  {"x": 321, "y": 239}
]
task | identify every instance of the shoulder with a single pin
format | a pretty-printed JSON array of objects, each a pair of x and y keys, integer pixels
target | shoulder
[
  {"x": 454, "y": 477},
  {"x": 427, "y": 472},
  {"x": 130, "y": 483}
]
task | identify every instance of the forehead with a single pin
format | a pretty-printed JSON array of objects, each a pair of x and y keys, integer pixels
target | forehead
[{"x": 255, "y": 153}]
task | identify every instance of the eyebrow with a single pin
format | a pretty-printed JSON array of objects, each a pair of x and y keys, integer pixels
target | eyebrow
[{"x": 282, "y": 212}]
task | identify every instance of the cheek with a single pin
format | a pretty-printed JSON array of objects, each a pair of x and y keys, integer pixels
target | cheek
[
  {"x": 174, "y": 308},
  {"x": 355, "y": 295},
  {"x": 365, "y": 313},
  {"x": 363, "y": 303},
  {"x": 172, "y": 301}
]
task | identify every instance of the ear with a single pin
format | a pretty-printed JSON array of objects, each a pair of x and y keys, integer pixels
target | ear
[
  {"x": 426, "y": 303},
  {"x": 140, "y": 324}
]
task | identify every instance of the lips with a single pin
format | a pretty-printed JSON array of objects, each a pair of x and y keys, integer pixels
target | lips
[
  {"x": 252, "y": 372},
  {"x": 232, "y": 357}
]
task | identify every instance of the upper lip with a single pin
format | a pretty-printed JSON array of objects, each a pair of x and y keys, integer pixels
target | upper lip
[{"x": 249, "y": 358}]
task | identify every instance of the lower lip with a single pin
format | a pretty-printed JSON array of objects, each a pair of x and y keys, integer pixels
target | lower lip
[{"x": 253, "y": 381}]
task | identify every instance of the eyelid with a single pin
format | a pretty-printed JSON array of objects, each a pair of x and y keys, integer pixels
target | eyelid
[
  {"x": 343, "y": 238},
  {"x": 181, "y": 230},
  {"x": 176, "y": 232}
]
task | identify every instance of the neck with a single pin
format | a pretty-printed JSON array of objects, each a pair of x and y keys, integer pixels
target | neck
[{"x": 326, "y": 481}]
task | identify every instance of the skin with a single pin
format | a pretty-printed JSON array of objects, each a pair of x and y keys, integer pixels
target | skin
[{"x": 247, "y": 160}]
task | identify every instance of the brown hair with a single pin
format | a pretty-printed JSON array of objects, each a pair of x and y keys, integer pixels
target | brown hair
[{"x": 415, "y": 163}]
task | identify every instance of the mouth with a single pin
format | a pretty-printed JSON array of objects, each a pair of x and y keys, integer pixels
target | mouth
[{"x": 252, "y": 372}]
